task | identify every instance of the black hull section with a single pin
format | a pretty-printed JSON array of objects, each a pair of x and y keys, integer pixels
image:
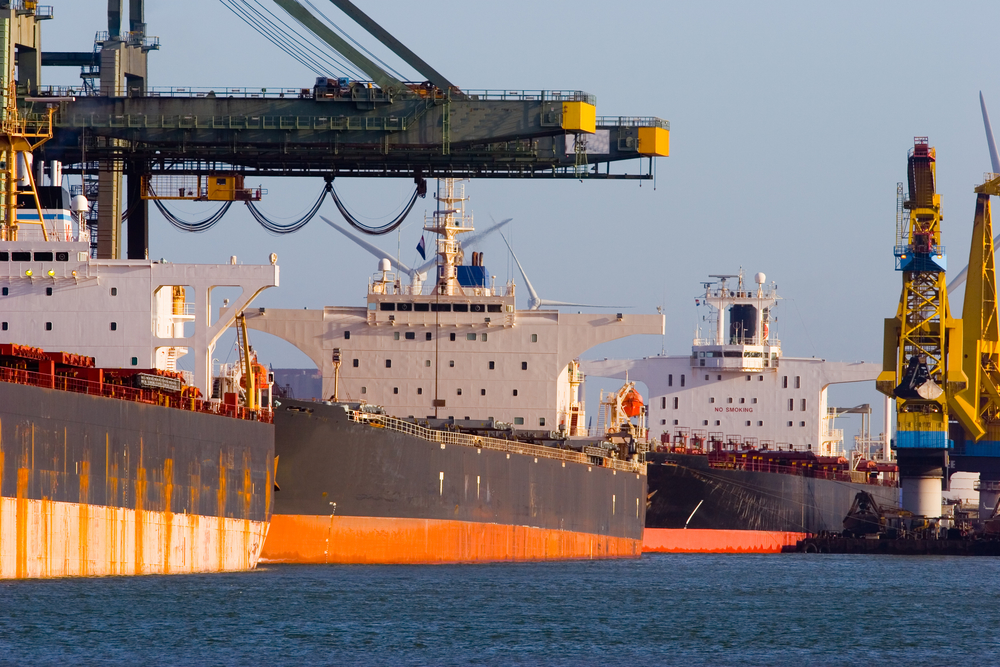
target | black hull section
[
  {"x": 742, "y": 500},
  {"x": 67, "y": 447},
  {"x": 325, "y": 458}
]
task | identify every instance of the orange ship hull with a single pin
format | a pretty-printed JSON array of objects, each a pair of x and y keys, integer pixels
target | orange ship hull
[
  {"x": 681, "y": 540},
  {"x": 379, "y": 540}
]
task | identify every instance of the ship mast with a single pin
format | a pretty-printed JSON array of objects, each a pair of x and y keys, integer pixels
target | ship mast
[{"x": 448, "y": 221}]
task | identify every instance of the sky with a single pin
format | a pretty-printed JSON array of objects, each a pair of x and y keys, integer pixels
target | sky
[{"x": 790, "y": 126}]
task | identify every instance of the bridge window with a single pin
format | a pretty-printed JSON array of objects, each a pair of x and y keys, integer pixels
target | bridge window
[
  {"x": 411, "y": 335},
  {"x": 428, "y": 335},
  {"x": 387, "y": 306}
]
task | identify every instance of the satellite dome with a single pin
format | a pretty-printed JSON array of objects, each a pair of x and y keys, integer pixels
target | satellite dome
[
  {"x": 760, "y": 278},
  {"x": 80, "y": 204},
  {"x": 385, "y": 264}
]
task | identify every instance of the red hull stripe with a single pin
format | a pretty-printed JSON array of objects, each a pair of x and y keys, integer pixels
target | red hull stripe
[
  {"x": 680, "y": 540},
  {"x": 378, "y": 540}
]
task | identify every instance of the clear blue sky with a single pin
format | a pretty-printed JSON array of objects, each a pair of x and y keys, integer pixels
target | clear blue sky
[{"x": 790, "y": 126}]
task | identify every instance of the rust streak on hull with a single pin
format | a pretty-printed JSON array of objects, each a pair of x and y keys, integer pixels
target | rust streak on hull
[{"x": 379, "y": 540}]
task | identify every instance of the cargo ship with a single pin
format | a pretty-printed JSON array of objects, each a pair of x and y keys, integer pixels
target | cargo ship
[
  {"x": 479, "y": 449},
  {"x": 113, "y": 461},
  {"x": 749, "y": 459}
]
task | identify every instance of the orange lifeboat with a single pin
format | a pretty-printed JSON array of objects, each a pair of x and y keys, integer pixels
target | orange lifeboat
[{"x": 632, "y": 403}]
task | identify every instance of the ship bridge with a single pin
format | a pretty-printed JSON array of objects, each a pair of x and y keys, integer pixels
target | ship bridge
[{"x": 747, "y": 344}]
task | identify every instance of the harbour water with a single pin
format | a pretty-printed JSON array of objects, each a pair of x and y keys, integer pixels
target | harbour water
[{"x": 660, "y": 610}]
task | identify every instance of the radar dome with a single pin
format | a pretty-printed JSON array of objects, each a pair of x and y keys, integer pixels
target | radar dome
[
  {"x": 760, "y": 278},
  {"x": 80, "y": 204},
  {"x": 385, "y": 264}
]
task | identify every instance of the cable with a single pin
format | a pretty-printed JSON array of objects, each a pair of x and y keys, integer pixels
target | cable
[
  {"x": 240, "y": 12},
  {"x": 278, "y": 228},
  {"x": 381, "y": 62},
  {"x": 419, "y": 191},
  {"x": 186, "y": 226}
]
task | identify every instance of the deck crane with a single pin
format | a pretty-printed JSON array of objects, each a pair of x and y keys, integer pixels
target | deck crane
[{"x": 922, "y": 354}]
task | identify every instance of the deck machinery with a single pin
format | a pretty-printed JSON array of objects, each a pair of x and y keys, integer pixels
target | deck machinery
[
  {"x": 383, "y": 127},
  {"x": 944, "y": 372}
]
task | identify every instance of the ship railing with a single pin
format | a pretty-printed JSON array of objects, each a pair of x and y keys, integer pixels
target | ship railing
[
  {"x": 149, "y": 397},
  {"x": 756, "y": 465},
  {"x": 632, "y": 121},
  {"x": 485, "y": 442}
]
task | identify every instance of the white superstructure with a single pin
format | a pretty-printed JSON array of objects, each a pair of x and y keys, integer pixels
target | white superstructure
[
  {"x": 455, "y": 346},
  {"x": 736, "y": 386},
  {"x": 124, "y": 313}
]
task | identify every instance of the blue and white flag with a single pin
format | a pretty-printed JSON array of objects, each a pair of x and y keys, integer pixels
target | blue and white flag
[{"x": 421, "y": 248}]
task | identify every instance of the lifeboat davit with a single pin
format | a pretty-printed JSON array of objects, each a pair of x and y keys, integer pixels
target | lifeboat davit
[{"x": 632, "y": 403}]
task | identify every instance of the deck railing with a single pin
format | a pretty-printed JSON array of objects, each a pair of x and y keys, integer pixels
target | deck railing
[
  {"x": 108, "y": 390},
  {"x": 484, "y": 442}
]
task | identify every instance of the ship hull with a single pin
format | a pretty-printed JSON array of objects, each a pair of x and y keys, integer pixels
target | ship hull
[
  {"x": 695, "y": 508},
  {"x": 354, "y": 493},
  {"x": 93, "y": 486}
]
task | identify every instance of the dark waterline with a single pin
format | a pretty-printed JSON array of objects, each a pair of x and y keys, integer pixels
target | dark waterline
[{"x": 660, "y": 610}]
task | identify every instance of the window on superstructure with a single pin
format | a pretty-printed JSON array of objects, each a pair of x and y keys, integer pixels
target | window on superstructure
[
  {"x": 802, "y": 423},
  {"x": 451, "y": 336},
  {"x": 482, "y": 392},
  {"x": 427, "y": 363},
  {"x": 420, "y": 390},
  {"x": 803, "y": 405},
  {"x": 784, "y": 382},
  {"x": 791, "y": 404},
  {"x": 682, "y": 380},
  {"x": 6, "y": 291},
  {"x": 798, "y": 382},
  {"x": 460, "y": 307},
  {"x": 663, "y": 403},
  {"x": 706, "y": 378},
  {"x": 494, "y": 308},
  {"x": 748, "y": 378},
  {"x": 743, "y": 400},
  {"x": 48, "y": 326},
  {"x": 411, "y": 335},
  {"x": 711, "y": 399},
  {"x": 518, "y": 421},
  {"x": 347, "y": 335},
  {"x": 760, "y": 423},
  {"x": 524, "y": 365},
  {"x": 493, "y": 365},
  {"x": 675, "y": 422},
  {"x": 718, "y": 377},
  {"x": 114, "y": 326},
  {"x": 355, "y": 363},
  {"x": 515, "y": 392},
  {"x": 704, "y": 422},
  {"x": 451, "y": 363},
  {"x": 676, "y": 401},
  {"x": 760, "y": 378},
  {"x": 534, "y": 338},
  {"x": 789, "y": 423},
  {"x": 395, "y": 335},
  {"x": 395, "y": 390},
  {"x": 470, "y": 336},
  {"x": 670, "y": 380},
  {"x": 428, "y": 335},
  {"x": 541, "y": 421},
  {"x": 364, "y": 390},
  {"x": 135, "y": 361},
  {"x": 729, "y": 400},
  {"x": 4, "y": 326},
  {"x": 4, "y": 256},
  {"x": 48, "y": 291},
  {"x": 748, "y": 423},
  {"x": 663, "y": 422},
  {"x": 388, "y": 363},
  {"x": 717, "y": 422},
  {"x": 114, "y": 291},
  {"x": 483, "y": 338},
  {"x": 753, "y": 400},
  {"x": 422, "y": 307}
]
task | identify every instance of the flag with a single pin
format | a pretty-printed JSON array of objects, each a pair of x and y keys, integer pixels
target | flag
[{"x": 421, "y": 248}]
